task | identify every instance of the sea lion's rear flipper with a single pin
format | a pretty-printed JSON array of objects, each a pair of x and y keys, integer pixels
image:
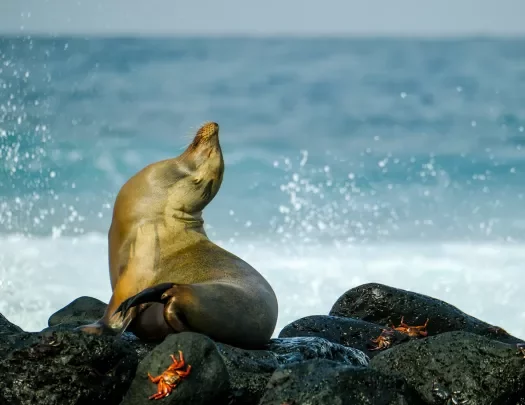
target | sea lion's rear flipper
[
  {"x": 153, "y": 321},
  {"x": 152, "y": 294}
]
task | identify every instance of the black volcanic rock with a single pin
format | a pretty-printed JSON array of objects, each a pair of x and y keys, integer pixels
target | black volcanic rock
[
  {"x": 8, "y": 328},
  {"x": 207, "y": 383},
  {"x": 486, "y": 371},
  {"x": 80, "y": 311},
  {"x": 349, "y": 332},
  {"x": 250, "y": 370},
  {"x": 298, "y": 349},
  {"x": 384, "y": 305},
  {"x": 320, "y": 382},
  {"x": 10, "y": 336},
  {"x": 315, "y": 360},
  {"x": 65, "y": 367}
]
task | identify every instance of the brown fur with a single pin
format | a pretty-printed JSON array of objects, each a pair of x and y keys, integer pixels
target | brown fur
[{"x": 157, "y": 236}]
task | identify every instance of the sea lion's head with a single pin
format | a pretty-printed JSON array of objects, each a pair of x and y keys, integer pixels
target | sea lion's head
[{"x": 197, "y": 177}]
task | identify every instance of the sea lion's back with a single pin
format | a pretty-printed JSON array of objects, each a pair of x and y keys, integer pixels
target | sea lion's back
[{"x": 205, "y": 261}]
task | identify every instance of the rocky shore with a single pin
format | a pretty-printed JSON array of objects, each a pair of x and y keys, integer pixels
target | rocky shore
[{"x": 374, "y": 347}]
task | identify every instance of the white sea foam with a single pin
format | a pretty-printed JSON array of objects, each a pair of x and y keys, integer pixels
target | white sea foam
[{"x": 39, "y": 276}]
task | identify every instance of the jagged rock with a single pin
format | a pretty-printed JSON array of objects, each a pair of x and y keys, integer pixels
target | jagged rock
[
  {"x": 10, "y": 336},
  {"x": 316, "y": 359},
  {"x": 65, "y": 367},
  {"x": 207, "y": 383},
  {"x": 82, "y": 310},
  {"x": 327, "y": 382},
  {"x": 9, "y": 342},
  {"x": 8, "y": 328},
  {"x": 299, "y": 349},
  {"x": 349, "y": 332},
  {"x": 382, "y": 304},
  {"x": 141, "y": 348},
  {"x": 250, "y": 370},
  {"x": 485, "y": 371}
]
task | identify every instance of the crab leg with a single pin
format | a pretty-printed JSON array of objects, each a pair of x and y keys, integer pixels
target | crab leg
[
  {"x": 154, "y": 379},
  {"x": 177, "y": 363},
  {"x": 184, "y": 373}
]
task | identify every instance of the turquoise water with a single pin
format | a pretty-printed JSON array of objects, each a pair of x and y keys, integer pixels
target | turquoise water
[{"x": 347, "y": 161}]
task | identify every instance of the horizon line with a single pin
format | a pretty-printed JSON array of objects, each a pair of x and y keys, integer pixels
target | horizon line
[{"x": 269, "y": 35}]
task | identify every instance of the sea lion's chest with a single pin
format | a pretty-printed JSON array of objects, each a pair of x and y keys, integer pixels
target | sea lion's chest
[{"x": 154, "y": 252}]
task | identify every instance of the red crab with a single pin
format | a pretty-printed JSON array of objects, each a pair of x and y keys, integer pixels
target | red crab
[
  {"x": 413, "y": 331},
  {"x": 169, "y": 379},
  {"x": 384, "y": 340}
]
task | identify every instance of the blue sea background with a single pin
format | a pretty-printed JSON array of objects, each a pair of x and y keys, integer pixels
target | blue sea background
[{"x": 400, "y": 161}]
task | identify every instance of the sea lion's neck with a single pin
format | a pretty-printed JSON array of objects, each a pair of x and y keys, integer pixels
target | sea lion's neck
[{"x": 179, "y": 221}]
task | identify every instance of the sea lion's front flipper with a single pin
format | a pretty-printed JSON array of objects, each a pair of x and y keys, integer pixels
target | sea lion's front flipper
[
  {"x": 116, "y": 326},
  {"x": 96, "y": 328},
  {"x": 124, "y": 321}
]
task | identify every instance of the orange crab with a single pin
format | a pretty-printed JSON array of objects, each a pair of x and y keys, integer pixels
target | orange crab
[
  {"x": 412, "y": 331},
  {"x": 384, "y": 340},
  {"x": 169, "y": 379}
]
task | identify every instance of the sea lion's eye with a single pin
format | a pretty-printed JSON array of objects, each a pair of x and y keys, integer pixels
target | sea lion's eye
[{"x": 197, "y": 181}]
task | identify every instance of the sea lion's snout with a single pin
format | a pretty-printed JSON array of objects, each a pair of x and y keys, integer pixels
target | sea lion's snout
[
  {"x": 198, "y": 172},
  {"x": 205, "y": 146},
  {"x": 207, "y": 131},
  {"x": 205, "y": 142}
]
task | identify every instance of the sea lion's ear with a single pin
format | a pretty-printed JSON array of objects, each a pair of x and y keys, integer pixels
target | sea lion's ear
[{"x": 206, "y": 193}]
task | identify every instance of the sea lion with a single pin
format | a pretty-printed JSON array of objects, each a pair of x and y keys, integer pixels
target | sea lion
[{"x": 166, "y": 275}]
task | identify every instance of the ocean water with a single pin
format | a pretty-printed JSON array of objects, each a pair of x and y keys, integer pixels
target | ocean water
[{"x": 347, "y": 161}]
